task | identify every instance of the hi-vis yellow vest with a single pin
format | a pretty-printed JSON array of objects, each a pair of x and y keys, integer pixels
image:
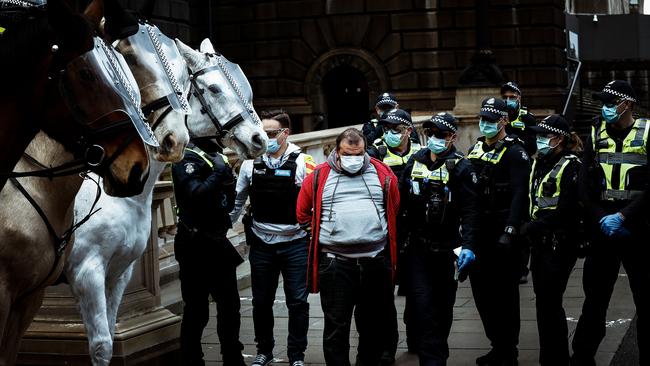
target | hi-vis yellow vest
[
  {"x": 493, "y": 157},
  {"x": 543, "y": 201},
  {"x": 518, "y": 123},
  {"x": 616, "y": 165},
  {"x": 391, "y": 159},
  {"x": 421, "y": 173}
]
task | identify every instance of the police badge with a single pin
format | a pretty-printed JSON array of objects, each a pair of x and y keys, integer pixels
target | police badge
[{"x": 189, "y": 168}]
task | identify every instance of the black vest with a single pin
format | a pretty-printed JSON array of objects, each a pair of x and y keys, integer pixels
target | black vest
[{"x": 274, "y": 192}]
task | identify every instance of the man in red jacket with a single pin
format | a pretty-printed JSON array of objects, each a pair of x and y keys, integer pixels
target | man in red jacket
[{"x": 351, "y": 203}]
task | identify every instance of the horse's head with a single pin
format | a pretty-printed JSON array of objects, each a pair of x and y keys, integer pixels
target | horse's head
[
  {"x": 161, "y": 74},
  {"x": 103, "y": 122},
  {"x": 221, "y": 91}
]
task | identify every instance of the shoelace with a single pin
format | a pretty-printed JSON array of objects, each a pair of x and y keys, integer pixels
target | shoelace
[
  {"x": 298, "y": 363},
  {"x": 260, "y": 360}
]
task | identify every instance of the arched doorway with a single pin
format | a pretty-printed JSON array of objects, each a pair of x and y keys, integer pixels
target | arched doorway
[{"x": 346, "y": 96}]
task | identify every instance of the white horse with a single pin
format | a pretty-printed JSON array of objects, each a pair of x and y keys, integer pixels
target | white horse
[{"x": 106, "y": 248}]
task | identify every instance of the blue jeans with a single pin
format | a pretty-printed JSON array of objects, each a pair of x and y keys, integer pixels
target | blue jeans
[{"x": 267, "y": 262}]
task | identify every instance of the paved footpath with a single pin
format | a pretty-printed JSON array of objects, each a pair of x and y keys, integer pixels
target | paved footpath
[{"x": 467, "y": 340}]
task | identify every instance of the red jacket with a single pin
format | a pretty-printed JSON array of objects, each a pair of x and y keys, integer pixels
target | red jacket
[{"x": 307, "y": 213}]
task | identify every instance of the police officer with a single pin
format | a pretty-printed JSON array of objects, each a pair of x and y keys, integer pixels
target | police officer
[
  {"x": 614, "y": 189},
  {"x": 205, "y": 193},
  {"x": 520, "y": 117},
  {"x": 552, "y": 232},
  {"x": 371, "y": 129},
  {"x": 520, "y": 122},
  {"x": 438, "y": 195},
  {"x": 395, "y": 149},
  {"x": 503, "y": 170}
]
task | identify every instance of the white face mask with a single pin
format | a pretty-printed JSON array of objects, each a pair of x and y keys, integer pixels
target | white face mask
[{"x": 352, "y": 164}]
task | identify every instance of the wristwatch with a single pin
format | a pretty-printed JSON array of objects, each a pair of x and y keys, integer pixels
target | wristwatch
[{"x": 510, "y": 230}]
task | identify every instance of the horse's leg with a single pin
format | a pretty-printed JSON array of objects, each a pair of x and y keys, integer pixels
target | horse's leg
[
  {"x": 114, "y": 296},
  {"x": 21, "y": 316},
  {"x": 88, "y": 288}
]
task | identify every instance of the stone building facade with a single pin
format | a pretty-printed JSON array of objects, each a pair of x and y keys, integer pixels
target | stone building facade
[{"x": 325, "y": 61}]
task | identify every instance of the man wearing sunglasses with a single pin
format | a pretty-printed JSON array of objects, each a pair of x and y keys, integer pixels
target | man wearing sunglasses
[
  {"x": 277, "y": 243},
  {"x": 503, "y": 170},
  {"x": 614, "y": 191},
  {"x": 439, "y": 197}
]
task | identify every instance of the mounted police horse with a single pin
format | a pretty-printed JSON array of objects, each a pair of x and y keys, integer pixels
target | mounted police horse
[
  {"x": 100, "y": 264},
  {"x": 85, "y": 97}
]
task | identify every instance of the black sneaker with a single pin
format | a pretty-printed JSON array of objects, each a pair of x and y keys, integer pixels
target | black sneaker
[
  {"x": 262, "y": 359},
  {"x": 298, "y": 363}
]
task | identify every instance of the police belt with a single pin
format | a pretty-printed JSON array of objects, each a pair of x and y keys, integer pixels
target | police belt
[
  {"x": 622, "y": 158},
  {"x": 209, "y": 233},
  {"x": 424, "y": 242},
  {"x": 623, "y": 195}
]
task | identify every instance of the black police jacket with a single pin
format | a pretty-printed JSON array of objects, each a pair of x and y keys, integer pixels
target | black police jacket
[
  {"x": 503, "y": 187},
  {"x": 528, "y": 137},
  {"x": 460, "y": 208},
  {"x": 205, "y": 194}
]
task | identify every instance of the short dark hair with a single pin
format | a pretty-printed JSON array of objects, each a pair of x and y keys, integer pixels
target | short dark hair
[
  {"x": 353, "y": 136},
  {"x": 278, "y": 115}
]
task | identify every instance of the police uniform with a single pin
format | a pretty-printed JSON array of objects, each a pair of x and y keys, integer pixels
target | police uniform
[
  {"x": 204, "y": 188},
  {"x": 554, "y": 235},
  {"x": 397, "y": 162},
  {"x": 614, "y": 182},
  {"x": 503, "y": 171},
  {"x": 439, "y": 197}
]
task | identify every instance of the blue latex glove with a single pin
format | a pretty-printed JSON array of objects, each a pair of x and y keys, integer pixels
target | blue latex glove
[
  {"x": 465, "y": 258},
  {"x": 612, "y": 225}
]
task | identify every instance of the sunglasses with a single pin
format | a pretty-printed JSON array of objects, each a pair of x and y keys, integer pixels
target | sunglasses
[
  {"x": 274, "y": 133},
  {"x": 437, "y": 133}
]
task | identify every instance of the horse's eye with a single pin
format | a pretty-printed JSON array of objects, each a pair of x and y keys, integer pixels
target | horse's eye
[{"x": 214, "y": 89}]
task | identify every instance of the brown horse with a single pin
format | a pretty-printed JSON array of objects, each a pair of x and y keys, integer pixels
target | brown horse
[
  {"x": 28, "y": 258},
  {"x": 33, "y": 56}
]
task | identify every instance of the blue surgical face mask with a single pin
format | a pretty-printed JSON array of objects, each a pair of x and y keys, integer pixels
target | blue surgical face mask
[
  {"x": 512, "y": 104},
  {"x": 543, "y": 146},
  {"x": 393, "y": 139},
  {"x": 610, "y": 114},
  {"x": 272, "y": 147},
  {"x": 488, "y": 129},
  {"x": 436, "y": 145}
]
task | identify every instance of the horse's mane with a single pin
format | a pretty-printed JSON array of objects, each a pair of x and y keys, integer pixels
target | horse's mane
[{"x": 22, "y": 46}]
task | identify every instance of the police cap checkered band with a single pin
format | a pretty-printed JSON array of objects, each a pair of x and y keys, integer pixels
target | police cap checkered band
[
  {"x": 618, "y": 94},
  {"x": 554, "y": 130},
  {"x": 386, "y": 98},
  {"x": 493, "y": 110},
  {"x": 392, "y": 117},
  {"x": 510, "y": 86},
  {"x": 438, "y": 119}
]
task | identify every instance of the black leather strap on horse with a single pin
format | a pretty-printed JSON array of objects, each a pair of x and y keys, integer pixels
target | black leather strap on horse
[
  {"x": 157, "y": 104},
  {"x": 222, "y": 130},
  {"x": 60, "y": 243}
]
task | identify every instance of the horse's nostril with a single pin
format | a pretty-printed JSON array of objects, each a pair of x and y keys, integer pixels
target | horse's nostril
[
  {"x": 169, "y": 142},
  {"x": 257, "y": 139}
]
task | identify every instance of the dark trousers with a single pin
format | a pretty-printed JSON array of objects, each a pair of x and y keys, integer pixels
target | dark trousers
[
  {"x": 267, "y": 262},
  {"x": 347, "y": 284},
  {"x": 431, "y": 293},
  {"x": 204, "y": 272},
  {"x": 495, "y": 286},
  {"x": 600, "y": 274},
  {"x": 551, "y": 270}
]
